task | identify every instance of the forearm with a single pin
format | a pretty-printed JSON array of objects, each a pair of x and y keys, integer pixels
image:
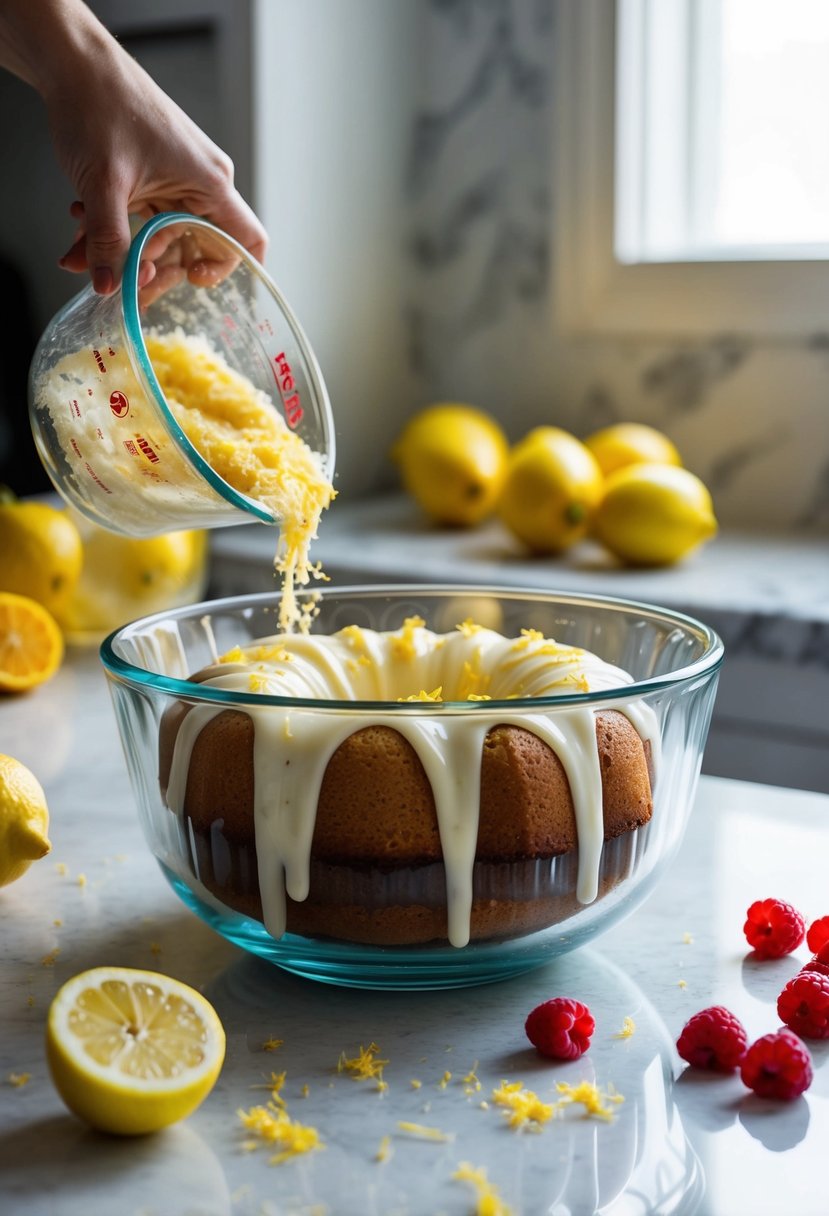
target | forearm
[{"x": 47, "y": 42}]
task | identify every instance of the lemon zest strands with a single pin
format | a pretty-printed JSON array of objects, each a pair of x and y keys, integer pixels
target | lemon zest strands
[
  {"x": 488, "y": 1201},
  {"x": 419, "y": 1131},
  {"x": 364, "y": 1066},
  {"x": 594, "y": 1100},
  {"x": 271, "y": 1124},
  {"x": 628, "y": 1029},
  {"x": 522, "y": 1106}
]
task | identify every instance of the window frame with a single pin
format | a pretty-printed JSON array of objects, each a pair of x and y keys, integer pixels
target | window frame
[{"x": 595, "y": 292}]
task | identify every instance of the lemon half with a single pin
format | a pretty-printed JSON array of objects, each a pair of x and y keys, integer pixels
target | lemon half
[{"x": 132, "y": 1051}]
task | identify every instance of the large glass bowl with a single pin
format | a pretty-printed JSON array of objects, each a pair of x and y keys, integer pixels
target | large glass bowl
[{"x": 674, "y": 662}]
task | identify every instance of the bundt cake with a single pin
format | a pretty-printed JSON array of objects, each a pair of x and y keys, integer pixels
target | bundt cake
[{"x": 447, "y": 804}]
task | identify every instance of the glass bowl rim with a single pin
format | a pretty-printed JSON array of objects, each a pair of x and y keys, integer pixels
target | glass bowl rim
[
  {"x": 135, "y": 337},
  {"x": 138, "y": 677}
]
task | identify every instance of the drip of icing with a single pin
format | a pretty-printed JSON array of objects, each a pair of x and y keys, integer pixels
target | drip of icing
[{"x": 292, "y": 750}]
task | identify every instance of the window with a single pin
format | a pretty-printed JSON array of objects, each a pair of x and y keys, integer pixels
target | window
[{"x": 692, "y": 168}]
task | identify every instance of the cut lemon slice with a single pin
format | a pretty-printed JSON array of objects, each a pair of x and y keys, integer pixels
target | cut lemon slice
[
  {"x": 132, "y": 1051},
  {"x": 31, "y": 643}
]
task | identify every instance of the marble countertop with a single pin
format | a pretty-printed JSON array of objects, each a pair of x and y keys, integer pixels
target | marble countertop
[
  {"x": 386, "y": 539},
  {"x": 680, "y": 1143}
]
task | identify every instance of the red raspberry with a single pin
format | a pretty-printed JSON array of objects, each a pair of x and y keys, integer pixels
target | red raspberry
[
  {"x": 822, "y": 955},
  {"x": 560, "y": 1028},
  {"x": 713, "y": 1039},
  {"x": 818, "y": 935},
  {"x": 777, "y": 1066},
  {"x": 814, "y": 965},
  {"x": 804, "y": 1005},
  {"x": 773, "y": 928}
]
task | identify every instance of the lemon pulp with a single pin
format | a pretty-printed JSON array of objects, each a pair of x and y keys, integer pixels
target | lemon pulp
[{"x": 132, "y": 1051}]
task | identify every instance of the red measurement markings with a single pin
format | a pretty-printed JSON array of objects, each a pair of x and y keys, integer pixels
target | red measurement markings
[
  {"x": 96, "y": 478},
  {"x": 99, "y": 359},
  {"x": 119, "y": 404},
  {"x": 75, "y": 447},
  {"x": 287, "y": 389},
  {"x": 148, "y": 451},
  {"x": 265, "y": 327},
  {"x": 74, "y": 408},
  {"x": 131, "y": 448}
]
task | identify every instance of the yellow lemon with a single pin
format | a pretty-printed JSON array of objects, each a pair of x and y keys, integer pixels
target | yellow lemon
[
  {"x": 626, "y": 443},
  {"x": 40, "y": 552},
  {"x": 31, "y": 644},
  {"x": 125, "y": 577},
  {"x": 132, "y": 1051},
  {"x": 452, "y": 458},
  {"x": 24, "y": 820},
  {"x": 553, "y": 485},
  {"x": 654, "y": 514}
]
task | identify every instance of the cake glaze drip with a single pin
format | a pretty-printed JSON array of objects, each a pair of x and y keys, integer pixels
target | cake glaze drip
[{"x": 292, "y": 746}]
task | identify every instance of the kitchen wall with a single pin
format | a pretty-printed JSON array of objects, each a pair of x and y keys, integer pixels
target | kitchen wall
[{"x": 418, "y": 241}]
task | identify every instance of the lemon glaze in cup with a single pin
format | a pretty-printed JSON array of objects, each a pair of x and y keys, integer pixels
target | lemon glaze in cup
[
  {"x": 103, "y": 428},
  {"x": 673, "y": 662}
]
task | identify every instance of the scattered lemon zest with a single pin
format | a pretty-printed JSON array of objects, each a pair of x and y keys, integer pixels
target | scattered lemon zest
[
  {"x": 594, "y": 1100},
  {"x": 483, "y": 1104},
  {"x": 62, "y": 868},
  {"x": 234, "y": 655},
  {"x": 81, "y": 880},
  {"x": 445, "y": 1079},
  {"x": 273, "y": 1044},
  {"x": 415, "y": 1084},
  {"x": 30, "y": 1001},
  {"x": 488, "y": 1200},
  {"x": 19, "y": 1079},
  {"x": 435, "y": 695},
  {"x": 48, "y": 960},
  {"x": 57, "y": 923},
  {"x": 468, "y": 628},
  {"x": 305, "y": 1090},
  {"x": 628, "y": 1028},
  {"x": 471, "y": 1084},
  {"x": 365, "y": 1066},
  {"x": 687, "y": 939},
  {"x": 419, "y": 1131},
  {"x": 522, "y": 1106},
  {"x": 478, "y": 697},
  {"x": 682, "y": 983},
  {"x": 384, "y": 1150},
  {"x": 403, "y": 643},
  {"x": 271, "y": 1124},
  {"x": 258, "y": 682}
]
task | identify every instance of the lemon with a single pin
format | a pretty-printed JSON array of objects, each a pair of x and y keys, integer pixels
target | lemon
[
  {"x": 125, "y": 577},
  {"x": 31, "y": 644},
  {"x": 132, "y": 1051},
  {"x": 24, "y": 820},
  {"x": 654, "y": 514},
  {"x": 553, "y": 485},
  {"x": 626, "y": 443},
  {"x": 452, "y": 459},
  {"x": 40, "y": 552}
]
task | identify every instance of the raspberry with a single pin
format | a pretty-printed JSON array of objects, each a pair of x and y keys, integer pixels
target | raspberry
[
  {"x": 777, "y": 1066},
  {"x": 560, "y": 1028},
  {"x": 713, "y": 1039},
  {"x": 814, "y": 965},
  {"x": 822, "y": 955},
  {"x": 804, "y": 1005},
  {"x": 818, "y": 935},
  {"x": 773, "y": 928}
]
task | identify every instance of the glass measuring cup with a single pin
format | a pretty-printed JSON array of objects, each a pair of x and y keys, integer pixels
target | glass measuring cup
[{"x": 103, "y": 428}]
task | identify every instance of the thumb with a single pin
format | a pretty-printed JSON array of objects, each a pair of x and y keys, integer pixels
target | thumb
[{"x": 107, "y": 236}]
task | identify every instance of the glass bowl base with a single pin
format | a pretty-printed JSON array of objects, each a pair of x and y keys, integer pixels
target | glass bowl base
[{"x": 435, "y": 966}]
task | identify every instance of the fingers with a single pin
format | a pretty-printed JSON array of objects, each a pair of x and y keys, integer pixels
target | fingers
[{"x": 106, "y": 220}]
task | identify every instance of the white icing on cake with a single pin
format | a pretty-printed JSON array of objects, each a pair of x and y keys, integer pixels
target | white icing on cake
[{"x": 292, "y": 747}]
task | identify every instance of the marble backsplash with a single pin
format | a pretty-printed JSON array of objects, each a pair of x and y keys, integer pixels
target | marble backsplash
[{"x": 751, "y": 417}]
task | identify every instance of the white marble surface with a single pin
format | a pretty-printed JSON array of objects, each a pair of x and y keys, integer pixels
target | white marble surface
[
  {"x": 387, "y": 539},
  {"x": 679, "y": 1144}
]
